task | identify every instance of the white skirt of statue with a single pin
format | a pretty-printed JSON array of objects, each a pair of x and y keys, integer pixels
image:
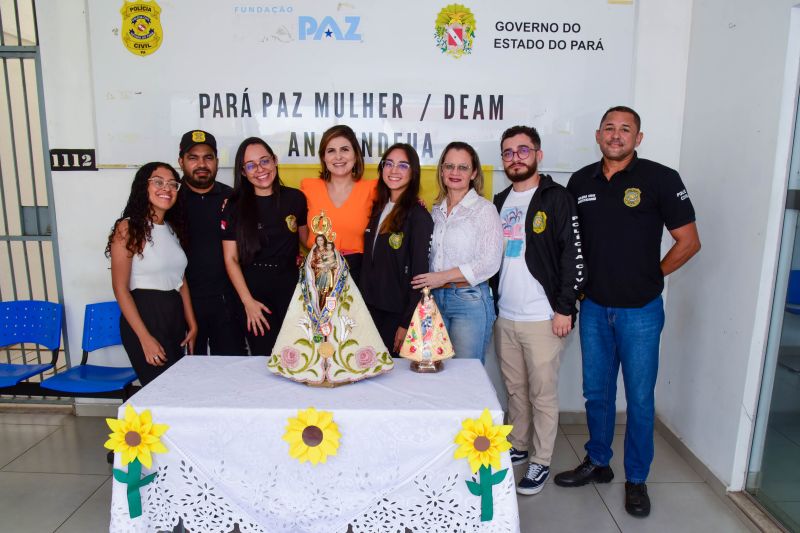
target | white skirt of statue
[{"x": 328, "y": 336}]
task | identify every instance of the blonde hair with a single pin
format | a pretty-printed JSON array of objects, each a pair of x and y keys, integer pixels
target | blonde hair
[{"x": 476, "y": 183}]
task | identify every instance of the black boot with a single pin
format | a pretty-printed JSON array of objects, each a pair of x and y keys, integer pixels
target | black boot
[
  {"x": 637, "y": 502},
  {"x": 585, "y": 473}
]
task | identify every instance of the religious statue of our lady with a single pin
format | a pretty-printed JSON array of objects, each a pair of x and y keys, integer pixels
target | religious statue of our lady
[
  {"x": 427, "y": 343},
  {"x": 328, "y": 337}
]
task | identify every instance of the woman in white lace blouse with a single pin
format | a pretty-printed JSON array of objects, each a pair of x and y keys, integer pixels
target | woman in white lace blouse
[{"x": 466, "y": 250}]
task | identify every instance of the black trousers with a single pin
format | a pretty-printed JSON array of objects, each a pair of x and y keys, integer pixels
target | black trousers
[
  {"x": 354, "y": 266},
  {"x": 162, "y": 314},
  {"x": 219, "y": 324},
  {"x": 273, "y": 286},
  {"x": 387, "y": 324}
]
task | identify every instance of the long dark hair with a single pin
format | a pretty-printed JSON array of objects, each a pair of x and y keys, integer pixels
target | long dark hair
[
  {"x": 346, "y": 132},
  {"x": 243, "y": 202},
  {"x": 409, "y": 197},
  {"x": 139, "y": 213}
]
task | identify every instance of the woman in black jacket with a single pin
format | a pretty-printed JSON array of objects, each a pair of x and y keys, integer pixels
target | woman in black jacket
[{"x": 396, "y": 245}]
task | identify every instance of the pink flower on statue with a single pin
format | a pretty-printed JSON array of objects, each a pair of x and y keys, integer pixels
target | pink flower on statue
[
  {"x": 366, "y": 357},
  {"x": 290, "y": 357}
]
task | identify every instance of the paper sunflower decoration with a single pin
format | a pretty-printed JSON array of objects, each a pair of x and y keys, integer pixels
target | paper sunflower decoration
[
  {"x": 312, "y": 436},
  {"x": 136, "y": 437},
  {"x": 481, "y": 443}
]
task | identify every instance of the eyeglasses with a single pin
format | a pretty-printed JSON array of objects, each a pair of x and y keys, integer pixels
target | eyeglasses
[
  {"x": 523, "y": 152},
  {"x": 264, "y": 162},
  {"x": 161, "y": 183},
  {"x": 401, "y": 166},
  {"x": 461, "y": 169}
]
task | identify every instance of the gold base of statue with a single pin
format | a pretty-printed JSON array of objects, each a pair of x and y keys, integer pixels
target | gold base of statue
[
  {"x": 427, "y": 367},
  {"x": 327, "y": 384}
]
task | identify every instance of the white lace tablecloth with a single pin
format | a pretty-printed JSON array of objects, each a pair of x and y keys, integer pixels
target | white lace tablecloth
[{"x": 227, "y": 462}]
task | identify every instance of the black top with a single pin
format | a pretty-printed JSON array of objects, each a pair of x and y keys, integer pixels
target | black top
[
  {"x": 205, "y": 272},
  {"x": 622, "y": 222},
  {"x": 553, "y": 251},
  {"x": 391, "y": 260},
  {"x": 277, "y": 226}
]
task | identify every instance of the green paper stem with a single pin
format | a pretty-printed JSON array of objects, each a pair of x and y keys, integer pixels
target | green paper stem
[
  {"x": 133, "y": 478},
  {"x": 483, "y": 488}
]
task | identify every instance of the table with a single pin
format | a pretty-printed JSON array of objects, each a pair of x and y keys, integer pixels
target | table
[{"x": 227, "y": 462}]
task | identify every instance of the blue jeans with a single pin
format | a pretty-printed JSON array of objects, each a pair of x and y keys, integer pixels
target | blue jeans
[
  {"x": 611, "y": 336},
  {"x": 468, "y": 315}
]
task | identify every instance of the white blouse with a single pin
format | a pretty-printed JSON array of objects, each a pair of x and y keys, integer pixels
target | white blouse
[
  {"x": 162, "y": 263},
  {"x": 471, "y": 238}
]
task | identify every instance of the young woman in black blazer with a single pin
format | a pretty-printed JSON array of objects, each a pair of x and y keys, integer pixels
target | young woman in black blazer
[{"x": 396, "y": 245}]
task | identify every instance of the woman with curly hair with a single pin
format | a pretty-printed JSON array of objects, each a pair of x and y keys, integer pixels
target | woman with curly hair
[{"x": 147, "y": 273}]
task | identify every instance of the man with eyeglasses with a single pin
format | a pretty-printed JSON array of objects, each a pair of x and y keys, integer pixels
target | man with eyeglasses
[
  {"x": 624, "y": 203},
  {"x": 537, "y": 286},
  {"x": 213, "y": 298}
]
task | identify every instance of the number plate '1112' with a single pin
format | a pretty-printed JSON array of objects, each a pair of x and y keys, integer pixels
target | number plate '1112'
[{"x": 72, "y": 159}]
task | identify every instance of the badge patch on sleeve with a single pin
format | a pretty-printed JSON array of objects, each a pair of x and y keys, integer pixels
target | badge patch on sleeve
[
  {"x": 632, "y": 197},
  {"x": 539, "y": 222},
  {"x": 291, "y": 223}
]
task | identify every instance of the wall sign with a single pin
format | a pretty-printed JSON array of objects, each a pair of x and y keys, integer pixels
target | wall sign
[
  {"x": 68, "y": 159},
  {"x": 427, "y": 73}
]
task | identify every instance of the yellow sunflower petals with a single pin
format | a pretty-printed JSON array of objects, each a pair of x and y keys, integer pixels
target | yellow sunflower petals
[
  {"x": 296, "y": 426},
  {"x": 128, "y": 455},
  {"x": 324, "y": 419},
  {"x": 159, "y": 429},
  {"x": 115, "y": 424},
  {"x": 314, "y": 454},
  {"x": 144, "y": 456},
  {"x": 484, "y": 427},
  {"x": 158, "y": 447},
  {"x": 297, "y": 448}
]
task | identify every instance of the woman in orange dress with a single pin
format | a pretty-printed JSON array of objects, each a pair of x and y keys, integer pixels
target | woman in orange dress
[{"x": 340, "y": 192}]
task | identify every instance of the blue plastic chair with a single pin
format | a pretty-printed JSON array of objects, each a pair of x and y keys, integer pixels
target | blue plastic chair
[
  {"x": 100, "y": 330},
  {"x": 29, "y": 321},
  {"x": 793, "y": 293}
]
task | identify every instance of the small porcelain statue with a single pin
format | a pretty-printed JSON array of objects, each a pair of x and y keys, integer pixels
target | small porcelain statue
[{"x": 427, "y": 343}]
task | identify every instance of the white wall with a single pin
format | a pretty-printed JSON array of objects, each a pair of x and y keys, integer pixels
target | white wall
[
  {"x": 722, "y": 143},
  {"x": 88, "y": 202},
  {"x": 716, "y": 303}
]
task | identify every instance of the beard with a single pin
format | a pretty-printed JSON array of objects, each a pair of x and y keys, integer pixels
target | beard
[
  {"x": 199, "y": 182},
  {"x": 529, "y": 171}
]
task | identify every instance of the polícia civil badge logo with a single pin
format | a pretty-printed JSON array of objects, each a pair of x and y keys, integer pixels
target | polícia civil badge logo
[
  {"x": 291, "y": 223},
  {"x": 539, "y": 222},
  {"x": 455, "y": 30},
  {"x": 141, "y": 27},
  {"x": 396, "y": 240},
  {"x": 632, "y": 197}
]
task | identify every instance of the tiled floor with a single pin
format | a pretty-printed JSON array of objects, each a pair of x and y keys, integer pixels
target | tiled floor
[{"x": 54, "y": 477}]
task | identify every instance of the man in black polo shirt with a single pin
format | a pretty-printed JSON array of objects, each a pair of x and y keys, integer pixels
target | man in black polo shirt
[
  {"x": 214, "y": 301},
  {"x": 623, "y": 205}
]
